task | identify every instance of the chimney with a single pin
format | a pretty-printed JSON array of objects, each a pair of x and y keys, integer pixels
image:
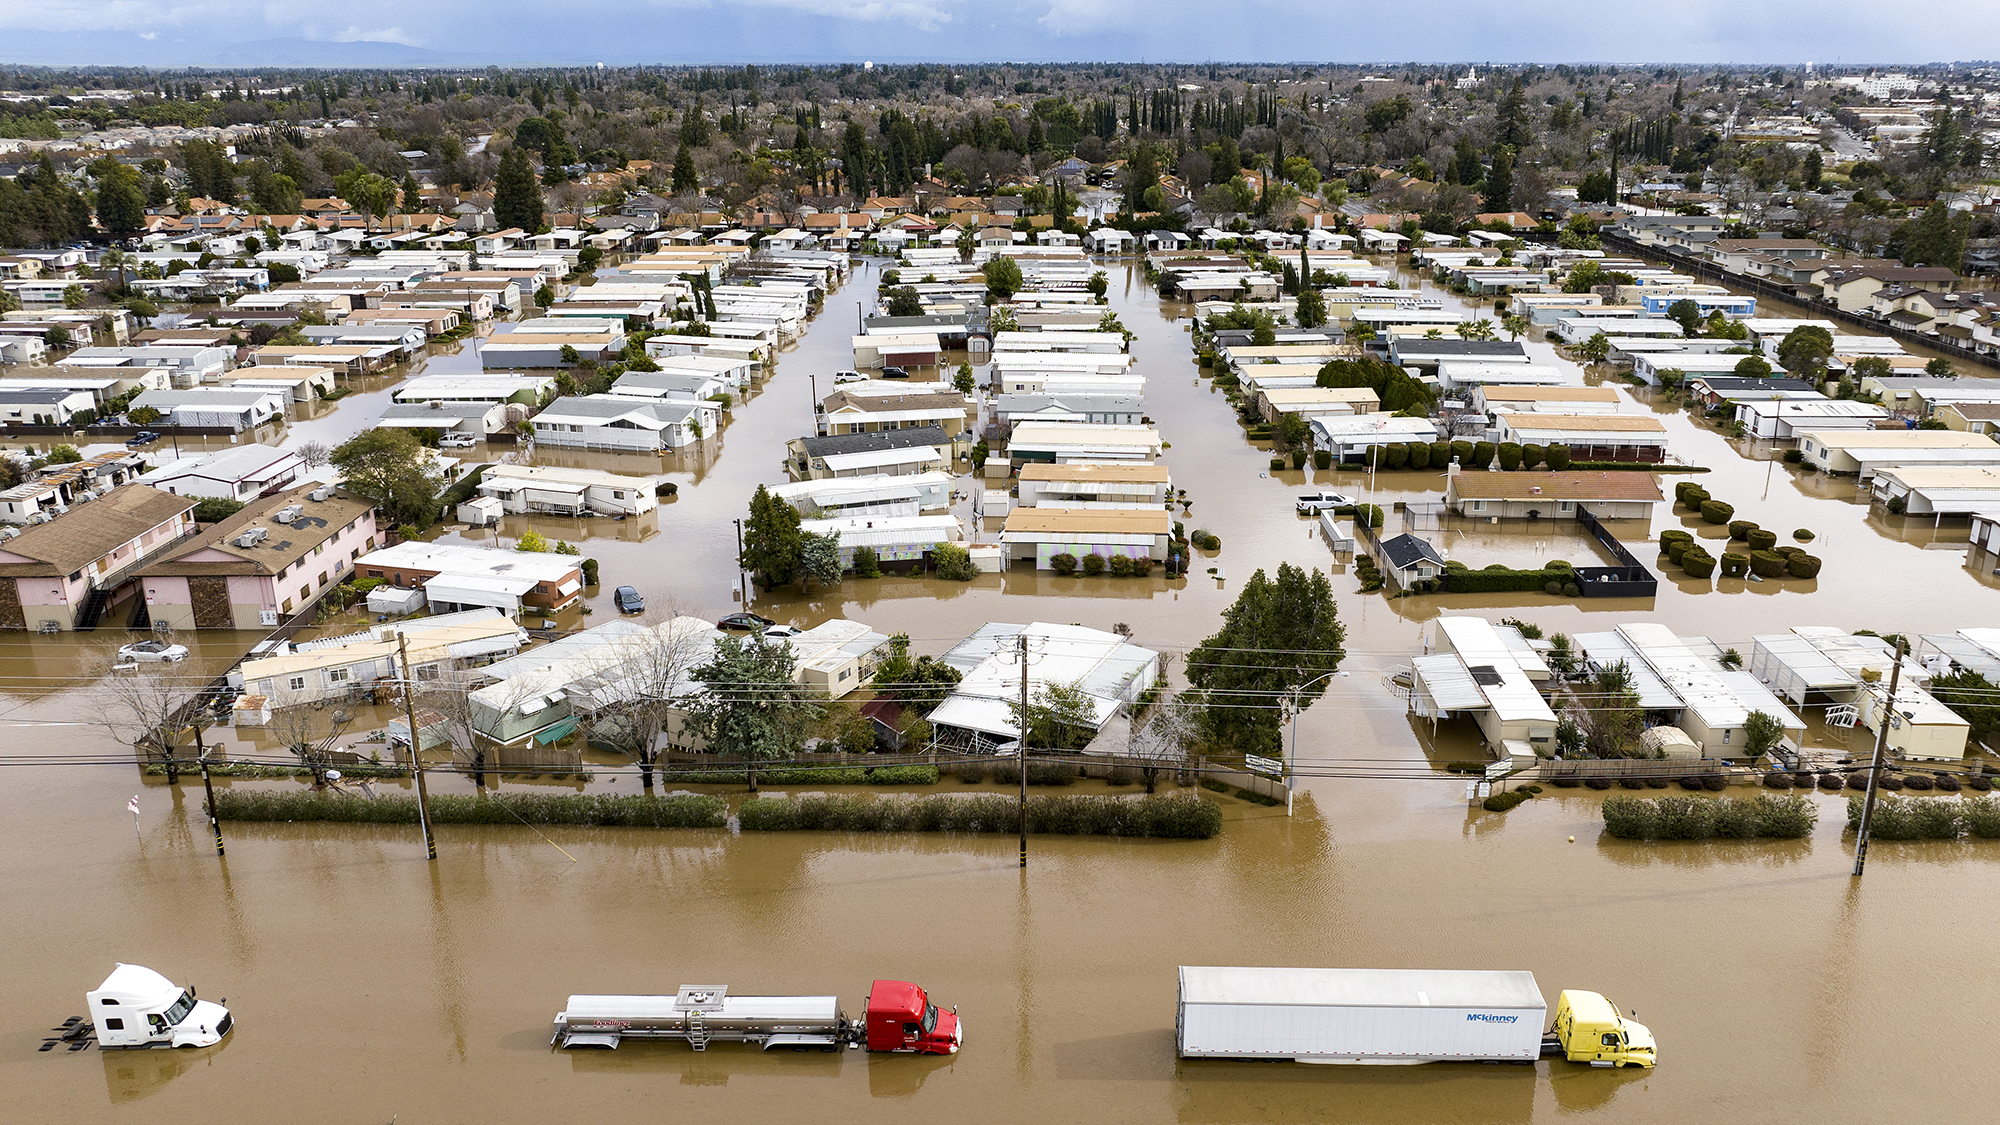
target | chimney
[{"x": 1452, "y": 469}]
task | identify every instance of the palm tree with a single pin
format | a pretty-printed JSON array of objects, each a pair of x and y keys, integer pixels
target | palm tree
[
  {"x": 115, "y": 259},
  {"x": 1515, "y": 325}
]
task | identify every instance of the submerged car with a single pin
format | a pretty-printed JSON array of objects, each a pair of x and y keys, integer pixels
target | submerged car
[
  {"x": 745, "y": 620},
  {"x": 628, "y": 600},
  {"x": 782, "y": 631},
  {"x": 1312, "y": 502},
  {"x": 152, "y": 652}
]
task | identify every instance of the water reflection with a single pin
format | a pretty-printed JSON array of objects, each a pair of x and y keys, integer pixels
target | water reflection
[
  {"x": 135, "y": 1075},
  {"x": 1216, "y": 1092}
]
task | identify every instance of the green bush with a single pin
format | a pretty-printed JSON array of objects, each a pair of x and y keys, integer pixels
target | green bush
[
  {"x": 1064, "y": 563},
  {"x": 1678, "y": 549},
  {"x": 1298, "y": 458},
  {"x": 1206, "y": 540},
  {"x": 1715, "y": 511},
  {"x": 1670, "y": 537},
  {"x": 1558, "y": 457},
  {"x": 1982, "y": 817},
  {"x": 1911, "y": 818},
  {"x": 1501, "y": 802},
  {"x": 1767, "y": 564},
  {"x": 1418, "y": 454},
  {"x": 1322, "y": 459},
  {"x": 1761, "y": 539},
  {"x": 1440, "y": 454},
  {"x": 1688, "y": 494},
  {"x": 1463, "y": 451},
  {"x": 1700, "y": 818},
  {"x": 1803, "y": 535},
  {"x": 679, "y": 811},
  {"x": 1572, "y": 590},
  {"x": 1277, "y": 464},
  {"x": 867, "y": 563},
  {"x": 1794, "y": 456},
  {"x": 1170, "y": 817},
  {"x": 1510, "y": 456},
  {"x": 1121, "y": 566},
  {"x": 1697, "y": 565},
  {"x": 954, "y": 563},
  {"x": 1501, "y": 579},
  {"x": 1735, "y": 564},
  {"x": 1739, "y": 530},
  {"x": 1803, "y": 566},
  {"x": 1532, "y": 455},
  {"x": 1482, "y": 454},
  {"x": 1093, "y": 564}
]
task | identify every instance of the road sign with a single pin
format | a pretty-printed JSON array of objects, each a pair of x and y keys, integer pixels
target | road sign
[{"x": 1258, "y": 764}]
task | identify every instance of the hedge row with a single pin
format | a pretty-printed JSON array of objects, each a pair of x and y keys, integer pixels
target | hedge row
[
  {"x": 827, "y": 775},
  {"x": 1700, "y": 818},
  {"x": 1505, "y": 580},
  {"x": 1172, "y": 817},
  {"x": 679, "y": 811},
  {"x": 1928, "y": 818}
]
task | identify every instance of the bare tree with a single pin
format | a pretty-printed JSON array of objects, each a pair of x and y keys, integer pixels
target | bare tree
[
  {"x": 450, "y": 695},
  {"x": 307, "y": 727},
  {"x": 635, "y": 702},
  {"x": 1162, "y": 734},
  {"x": 313, "y": 454},
  {"x": 151, "y": 708}
]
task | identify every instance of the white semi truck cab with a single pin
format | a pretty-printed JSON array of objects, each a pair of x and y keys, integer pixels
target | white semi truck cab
[{"x": 137, "y": 1007}]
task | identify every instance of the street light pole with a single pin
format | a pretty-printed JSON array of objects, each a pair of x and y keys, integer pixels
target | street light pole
[
  {"x": 1292, "y": 755},
  {"x": 1875, "y": 768}
]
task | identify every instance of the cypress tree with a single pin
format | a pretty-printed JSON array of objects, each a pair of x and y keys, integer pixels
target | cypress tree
[{"x": 517, "y": 198}]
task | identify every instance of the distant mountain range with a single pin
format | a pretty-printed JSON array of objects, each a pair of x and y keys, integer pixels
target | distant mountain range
[{"x": 93, "y": 49}]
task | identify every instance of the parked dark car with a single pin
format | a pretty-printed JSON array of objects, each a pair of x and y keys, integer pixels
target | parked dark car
[
  {"x": 751, "y": 622},
  {"x": 628, "y": 600},
  {"x": 143, "y": 437},
  {"x": 894, "y": 373}
]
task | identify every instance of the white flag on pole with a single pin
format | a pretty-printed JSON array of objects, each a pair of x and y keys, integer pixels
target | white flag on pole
[{"x": 133, "y": 804}]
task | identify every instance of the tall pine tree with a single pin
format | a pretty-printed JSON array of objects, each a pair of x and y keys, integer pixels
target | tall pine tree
[{"x": 517, "y": 198}]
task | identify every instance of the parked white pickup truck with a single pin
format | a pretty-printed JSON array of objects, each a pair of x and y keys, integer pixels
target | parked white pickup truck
[{"x": 1313, "y": 502}]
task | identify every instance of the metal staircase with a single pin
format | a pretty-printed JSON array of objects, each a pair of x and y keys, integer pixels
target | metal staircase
[{"x": 93, "y": 609}]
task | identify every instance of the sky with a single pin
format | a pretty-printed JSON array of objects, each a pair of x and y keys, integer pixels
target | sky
[{"x": 461, "y": 32}]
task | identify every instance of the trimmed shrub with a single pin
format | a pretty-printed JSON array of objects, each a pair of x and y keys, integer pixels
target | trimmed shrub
[
  {"x": 1064, "y": 563},
  {"x": 1418, "y": 454},
  {"x": 1482, "y": 454},
  {"x": 1777, "y": 780},
  {"x": 1761, "y": 540},
  {"x": 1552, "y": 589},
  {"x": 1566, "y": 782},
  {"x": 1599, "y": 783},
  {"x": 1890, "y": 783},
  {"x": 1803, "y": 566},
  {"x": 1170, "y": 817},
  {"x": 1790, "y": 552},
  {"x": 1739, "y": 530},
  {"x": 1794, "y": 456},
  {"x": 1395, "y": 456},
  {"x": 1918, "y": 782},
  {"x": 1734, "y": 564},
  {"x": 1857, "y": 781},
  {"x": 1980, "y": 783},
  {"x": 1692, "y": 783},
  {"x": 1463, "y": 451},
  {"x": 1678, "y": 550},
  {"x": 1982, "y": 817},
  {"x": 1715, "y": 511},
  {"x": 1206, "y": 540},
  {"x": 1440, "y": 454},
  {"x": 1558, "y": 457},
  {"x": 1911, "y": 818},
  {"x": 1093, "y": 564},
  {"x": 1298, "y": 458},
  {"x": 1322, "y": 459},
  {"x": 1672, "y": 536},
  {"x": 1510, "y": 456},
  {"x": 678, "y": 811},
  {"x": 972, "y": 773},
  {"x": 1696, "y": 818},
  {"x": 1714, "y": 783},
  {"x": 1689, "y": 495},
  {"x": 1946, "y": 783},
  {"x": 1803, "y": 534},
  {"x": 1767, "y": 564},
  {"x": 1277, "y": 464},
  {"x": 1631, "y": 783},
  {"x": 1572, "y": 590},
  {"x": 1697, "y": 565},
  {"x": 1657, "y": 783},
  {"x": 1501, "y": 802},
  {"x": 1121, "y": 566},
  {"x": 1830, "y": 782},
  {"x": 1532, "y": 455}
]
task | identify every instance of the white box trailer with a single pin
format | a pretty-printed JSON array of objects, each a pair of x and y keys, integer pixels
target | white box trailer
[{"x": 1382, "y": 1016}]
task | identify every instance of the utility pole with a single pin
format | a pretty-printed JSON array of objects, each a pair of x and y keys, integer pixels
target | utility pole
[
  {"x": 1875, "y": 770},
  {"x": 1022, "y": 746},
  {"x": 416, "y": 745},
  {"x": 207, "y": 786}
]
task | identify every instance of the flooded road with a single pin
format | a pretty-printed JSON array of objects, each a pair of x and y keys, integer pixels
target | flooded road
[{"x": 368, "y": 984}]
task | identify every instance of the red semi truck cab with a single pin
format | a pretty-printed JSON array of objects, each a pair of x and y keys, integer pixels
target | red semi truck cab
[{"x": 902, "y": 1018}]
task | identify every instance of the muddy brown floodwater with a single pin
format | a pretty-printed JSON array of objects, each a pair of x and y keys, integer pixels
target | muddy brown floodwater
[{"x": 370, "y": 985}]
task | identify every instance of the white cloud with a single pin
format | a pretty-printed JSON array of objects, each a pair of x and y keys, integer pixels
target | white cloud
[
  {"x": 1081, "y": 17},
  {"x": 921, "y": 15},
  {"x": 385, "y": 35},
  {"x": 149, "y": 35}
]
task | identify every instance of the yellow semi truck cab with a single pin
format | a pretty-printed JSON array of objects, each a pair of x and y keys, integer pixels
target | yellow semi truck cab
[{"x": 1590, "y": 1030}]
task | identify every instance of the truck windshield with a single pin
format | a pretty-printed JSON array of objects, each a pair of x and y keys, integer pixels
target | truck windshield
[
  {"x": 181, "y": 1008},
  {"x": 930, "y": 1018}
]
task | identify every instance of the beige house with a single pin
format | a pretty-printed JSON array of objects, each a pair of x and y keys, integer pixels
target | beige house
[
  {"x": 1972, "y": 417},
  {"x": 1550, "y": 495},
  {"x": 1547, "y": 400},
  {"x": 1866, "y": 451},
  {"x": 1042, "y": 533},
  {"x": 1310, "y": 402},
  {"x": 844, "y": 412}
]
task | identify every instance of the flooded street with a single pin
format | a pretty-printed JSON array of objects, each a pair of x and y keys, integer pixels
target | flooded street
[{"x": 368, "y": 984}]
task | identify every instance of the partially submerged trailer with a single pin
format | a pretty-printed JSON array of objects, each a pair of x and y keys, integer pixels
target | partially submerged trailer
[
  {"x": 899, "y": 1017},
  {"x": 1395, "y": 1016}
]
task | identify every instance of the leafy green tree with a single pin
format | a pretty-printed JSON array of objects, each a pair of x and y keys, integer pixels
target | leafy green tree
[
  {"x": 1281, "y": 636},
  {"x": 532, "y": 541},
  {"x": 517, "y": 198},
  {"x": 1499, "y": 194},
  {"x": 1972, "y": 697},
  {"x": 962, "y": 381},
  {"x": 1311, "y": 311},
  {"x": 1098, "y": 285},
  {"x": 1805, "y": 350},
  {"x": 1611, "y": 714},
  {"x": 1753, "y": 367},
  {"x": 544, "y": 297},
  {"x": 1060, "y": 717},
  {"x": 1687, "y": 314},
  {"x": 819, "y": 558},
  {"x": 750, "y": 707},
  {"x": 369, "y": 193},
  {"x": 953, "y": 563},
  {"x": 1761, "y": 734},
  {"x": 1937, "y": 368},
  {"x": 392, "y": 470},
  {"x": 918, "y": 684},
  {"x": 64, "y": 455},
  {"x": 121, "y": 203},
  {"x": 773, "y": 544},
  {"x": 903, "y": 301},
  {"x": 686, "y": 179},
  {"x": 1003, "y": 277}
]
